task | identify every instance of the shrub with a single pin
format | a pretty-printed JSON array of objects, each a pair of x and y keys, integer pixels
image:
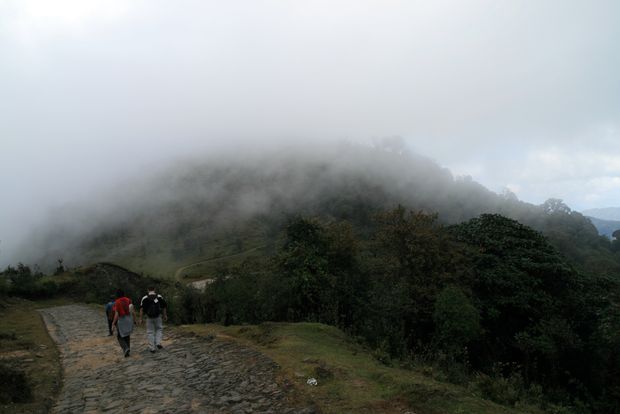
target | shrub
[
  {"x": 502, "y": 390},
  {"x": 14, "y": 386}
]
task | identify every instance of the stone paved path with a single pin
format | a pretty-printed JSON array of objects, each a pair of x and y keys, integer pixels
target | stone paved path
[{"x": 190, "y": 375}]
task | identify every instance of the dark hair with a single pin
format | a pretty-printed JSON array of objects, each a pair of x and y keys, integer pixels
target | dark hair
[{"x": 120, "y": 293}]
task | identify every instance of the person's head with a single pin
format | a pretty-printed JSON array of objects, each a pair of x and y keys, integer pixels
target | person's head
[
  {"x": 151, "y": 291},
  {"x": 119, "y": 293},
  {"x": 112, "y": 297}
]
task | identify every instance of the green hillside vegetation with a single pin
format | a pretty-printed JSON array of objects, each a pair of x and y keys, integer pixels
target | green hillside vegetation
[
  {"x": 422, "y": 268},
  {"x": 488, "y": 302},
  {"x": 489, "y": 295}
]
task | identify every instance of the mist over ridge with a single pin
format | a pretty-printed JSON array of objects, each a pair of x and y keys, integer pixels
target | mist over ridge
[
  {"x": 157, "y": 223},
  {"x": 520, "y": 95}
]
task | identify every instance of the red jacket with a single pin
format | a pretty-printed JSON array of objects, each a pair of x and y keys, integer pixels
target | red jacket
[{"x": 121, "y": 305}]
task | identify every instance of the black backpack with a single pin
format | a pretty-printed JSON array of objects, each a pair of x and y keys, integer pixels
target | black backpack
[{"x": 153, "y": 309}]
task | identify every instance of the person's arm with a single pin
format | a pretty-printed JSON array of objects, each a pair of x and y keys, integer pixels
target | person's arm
[
  {"x": 132, "y": 310},
  {"x": 114, "y": 320},
  {"x": 141, "y": 309}
]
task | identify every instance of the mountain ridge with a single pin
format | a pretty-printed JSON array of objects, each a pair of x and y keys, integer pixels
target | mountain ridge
[
  {"x": 223, "y": 206},
  {"x": 603, "y": 213}
]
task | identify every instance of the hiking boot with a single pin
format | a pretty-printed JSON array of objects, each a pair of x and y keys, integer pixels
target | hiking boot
[
  {"x": 152, "y": 351},
  {"x": 159, "y": 346},
  {"x": 126, "y": 353}
]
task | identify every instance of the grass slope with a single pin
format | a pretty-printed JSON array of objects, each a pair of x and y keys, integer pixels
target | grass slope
[
  {"x": 349, "y": 378},
  {"x": 26, "y": 346},
  {"x": 168, "y": 258}
]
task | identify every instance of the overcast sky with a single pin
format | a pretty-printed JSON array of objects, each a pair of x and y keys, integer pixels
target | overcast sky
[{"x": 517, "y": 94}]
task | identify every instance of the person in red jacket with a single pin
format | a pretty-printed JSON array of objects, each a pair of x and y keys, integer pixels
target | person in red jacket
[{"x": 124, "y": 316}]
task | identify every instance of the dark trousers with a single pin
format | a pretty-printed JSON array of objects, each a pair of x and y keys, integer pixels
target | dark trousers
[
  {"x": 124, "y": 342},
  {"x": 110, "y": 326}
]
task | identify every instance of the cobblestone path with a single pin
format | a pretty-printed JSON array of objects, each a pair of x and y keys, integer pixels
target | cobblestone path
[{"x": 190, "y": 375}]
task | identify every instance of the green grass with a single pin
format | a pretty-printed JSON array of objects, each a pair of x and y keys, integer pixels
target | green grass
[
  {"x": 209, "y": 267},
  {"x": 26, "y": 346},
  {"x": 159, "y": 259},
  {"x": 349, "y": 378}
]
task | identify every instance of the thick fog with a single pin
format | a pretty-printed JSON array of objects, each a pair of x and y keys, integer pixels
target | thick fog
[{"x": 97, "y": 93}]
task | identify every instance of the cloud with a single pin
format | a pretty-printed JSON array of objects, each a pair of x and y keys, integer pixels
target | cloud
[
  {"x": 94, "y": 91},
  {"x": 581, "y": 174},
  {"x": 61, "y": 15}
]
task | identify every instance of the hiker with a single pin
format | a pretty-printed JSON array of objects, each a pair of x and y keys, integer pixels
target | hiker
[
  {"x": 155, "y": 307},
  {"x": 109, "y": 313},
  {"x": 124, "y": 316}
]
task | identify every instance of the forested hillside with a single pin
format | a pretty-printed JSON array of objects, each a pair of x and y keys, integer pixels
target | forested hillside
[
  {"x": 217, "y": 207},
  {"x": 490, "y": 301},
  {"x": 423, "y": 268}
]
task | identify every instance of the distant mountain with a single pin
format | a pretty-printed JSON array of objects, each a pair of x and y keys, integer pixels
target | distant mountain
[
  {"x": 606, "y": 220},
  {"x": 605, "y": 227},
  {"x": 607, "y": 213}
]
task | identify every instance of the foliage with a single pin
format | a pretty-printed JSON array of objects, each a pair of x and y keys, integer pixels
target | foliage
[
  {"x": 531, "y": 315},
  {"x": 317, "y": 265},
  {"x": 484, "y": 294},
  {"x": 536, "y": 310},
  {"x": 22, "y": 281},
  {"x": 457, "y": 321},
  {"x": 60, "y": 269},
  {"x": 412, "y": 260},
  {"x": 14, "y": 386}
]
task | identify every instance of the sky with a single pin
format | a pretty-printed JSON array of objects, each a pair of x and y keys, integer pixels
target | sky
[{"x": 523, "y": 95}]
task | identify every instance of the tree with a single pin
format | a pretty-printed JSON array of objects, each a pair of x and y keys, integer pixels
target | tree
[
  {"x": 536, "y": 310},
  {"x": 554, "y": 206},
  {"x": 414, "y": 259},
  {"x": 60, "y": 268},
  {"x": 307, "y": 286},
  {"x": 457, "y": 321}
]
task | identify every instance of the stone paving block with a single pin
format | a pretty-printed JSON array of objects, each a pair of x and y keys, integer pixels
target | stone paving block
[{"x": 190, "y": 375}]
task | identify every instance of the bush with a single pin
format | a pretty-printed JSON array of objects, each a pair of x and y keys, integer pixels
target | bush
[
  {"x": 4, "y": 286},
  {"x": 502, "y": 390},
  {"x": 382, "y": 354},
  {"x": 14, "y": 386}
]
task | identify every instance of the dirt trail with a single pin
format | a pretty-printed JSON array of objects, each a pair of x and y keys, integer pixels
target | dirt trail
[{"x": 190, "y": 375}]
